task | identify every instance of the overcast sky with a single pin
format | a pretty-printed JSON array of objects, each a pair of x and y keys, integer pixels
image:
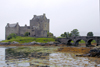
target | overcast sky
[{"x": 64, "y": 15}]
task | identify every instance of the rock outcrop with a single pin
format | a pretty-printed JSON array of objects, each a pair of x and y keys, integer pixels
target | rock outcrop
[{"x": 92, "y": 53}]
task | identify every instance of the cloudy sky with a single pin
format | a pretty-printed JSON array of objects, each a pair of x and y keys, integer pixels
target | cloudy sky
[{"x": 64, "y": 15}]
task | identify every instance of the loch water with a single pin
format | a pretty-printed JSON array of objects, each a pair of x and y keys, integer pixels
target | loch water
[{"x": 55, "y": 59}]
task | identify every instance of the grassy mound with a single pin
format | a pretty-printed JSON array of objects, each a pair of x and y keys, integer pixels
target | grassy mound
[{"x": 29, "y": 39}]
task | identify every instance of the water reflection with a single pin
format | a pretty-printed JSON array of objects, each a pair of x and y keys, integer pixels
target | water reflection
[
  {"x": 40, "y": 59},
  {"x": 2, "y": 57},
  {"x": 9, "y": 63}
]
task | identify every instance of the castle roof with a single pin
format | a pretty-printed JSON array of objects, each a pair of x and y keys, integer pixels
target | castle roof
[
  {"x": 39, "y": 16},
  {"x": 12, "y": 25}
]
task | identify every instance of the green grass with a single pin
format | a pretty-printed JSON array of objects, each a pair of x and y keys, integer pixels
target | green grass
[
  {"x": 41, "y": 40},
  {"x": 29, "y": 39},
  {"x": 93, "y": 41},
  {"x": 82, "y": 41}
]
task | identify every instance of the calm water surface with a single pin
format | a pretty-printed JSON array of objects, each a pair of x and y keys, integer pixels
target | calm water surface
[{"x": 55, "y": 59}]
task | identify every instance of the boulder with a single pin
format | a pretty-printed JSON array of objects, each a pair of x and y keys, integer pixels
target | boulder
[
  {"x": 95, "y": 52},
  {"x": 50, "y": 43},
  {"x": 32, "y": 43},
  {"x": 38, "y": 43},
  {"x": 92, "y": 53},
  {"x": 14, "y": 42},
  {"x": 4, "y": 43}
]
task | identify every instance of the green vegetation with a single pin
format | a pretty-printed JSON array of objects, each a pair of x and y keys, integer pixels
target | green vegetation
[
  {"x": 93, "y": 41},
  {"x": 49, "y": 34},
  {"x": 83, "y": 42},
  {"x": 26, "y": 34},
  {"x": 90, "y": 34},
  {"x": 11, "y": 36},
  {"x": 29, "y": 39},
  {"x": 32, "y": 49},
  {"x": 26, "y": 51},
  {"x": 73, "y": 33},
  {"x": 66, "y": 34}
]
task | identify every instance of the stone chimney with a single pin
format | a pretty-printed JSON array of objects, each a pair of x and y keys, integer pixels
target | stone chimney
[
  {"x": 25, "y": 25},
  {"x": 43, "y": 14},
  {"x": 7, "y": 24},
  {"x": 34, "y": 15}
]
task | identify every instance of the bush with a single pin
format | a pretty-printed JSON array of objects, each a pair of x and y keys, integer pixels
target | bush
[
  {"x": 12, "y": 35},
  {"x": 27, "y": 34},
  {"x": 49, "y": 34}
]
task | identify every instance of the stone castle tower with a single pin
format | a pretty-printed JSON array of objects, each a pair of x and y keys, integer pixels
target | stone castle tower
[{"x": 39, "y": 26}]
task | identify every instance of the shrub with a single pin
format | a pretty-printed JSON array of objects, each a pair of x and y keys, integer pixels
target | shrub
[
  {"x": 26, "y": 34},
  {"x": 12, "y": 35}
]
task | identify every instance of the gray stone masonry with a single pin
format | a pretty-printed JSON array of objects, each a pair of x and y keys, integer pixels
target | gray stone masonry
[{"x": 39, "y": 26}]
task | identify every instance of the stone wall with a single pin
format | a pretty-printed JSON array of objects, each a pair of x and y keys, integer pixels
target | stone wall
[
  {"x": 9, "y": 30},
  {"x": 39, "y": 26}
]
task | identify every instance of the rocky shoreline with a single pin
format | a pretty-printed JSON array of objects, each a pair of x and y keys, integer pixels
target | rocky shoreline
[
  {"x": 92, "y": 53},
  {"x": 30, "y": 43}
]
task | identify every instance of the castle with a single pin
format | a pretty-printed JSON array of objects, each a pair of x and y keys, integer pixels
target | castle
[{"x": 39, "y": 26}]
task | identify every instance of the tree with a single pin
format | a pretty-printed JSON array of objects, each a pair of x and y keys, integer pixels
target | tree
[
  {"x": 26, "y": 34},
  {"x": 90, "y": 34},
  {"x": 12, "y": 35},
  {"x": 74, "y": 33},
  {"x": 66, "y": 34},
  {"x": 62, "y": 35},
  {"x": 70, "y": 34}
]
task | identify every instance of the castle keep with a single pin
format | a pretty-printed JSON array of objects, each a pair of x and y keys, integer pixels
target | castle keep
[{"x": 39, "y": 26}]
